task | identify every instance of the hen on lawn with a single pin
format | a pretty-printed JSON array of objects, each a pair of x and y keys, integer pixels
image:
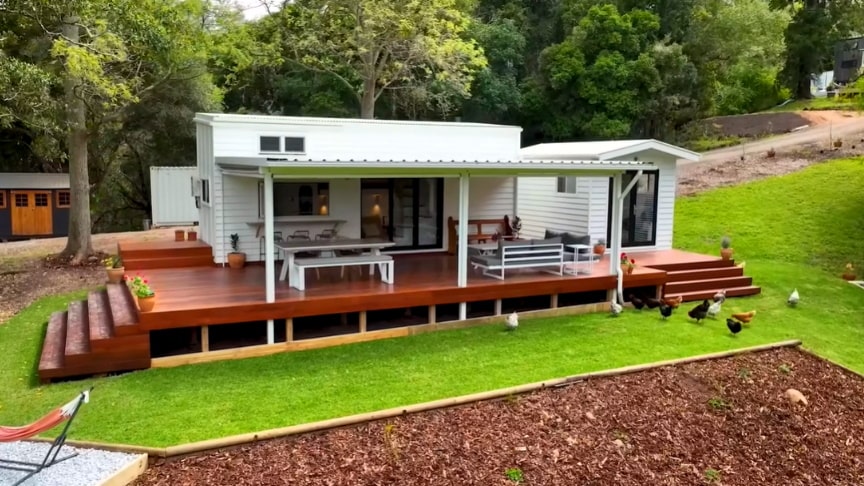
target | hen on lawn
[
  {"x": 745, "y": 317},
  {"x": 652, "y": 303},
  {"x": 615, "y": 308},
  {"x": 665, "y": 311},
  {"x": 720, "y": 296},
  {"x": 714, "y": 309},
  {"x": 636, "y": 301},
  {"x": 673, "y": 302},
  {"x": 733, "y": 325},
  {"x": 512, "y": 322},
  {"x": 793, "y": 298},
  {"x": 700, "y": 311}
]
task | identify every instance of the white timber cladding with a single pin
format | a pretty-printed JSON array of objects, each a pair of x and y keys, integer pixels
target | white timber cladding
[
  {"x": 542, "y": 207},
  {"x": 342, "y": 139},
  {"x": 489, "y": 198},
  {"x": 171, "y": 193}
]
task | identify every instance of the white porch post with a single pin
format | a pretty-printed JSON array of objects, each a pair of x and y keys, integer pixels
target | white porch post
[
  {"x": 615, "y": 234},
  {"x": 462, "y": 234},
  {"x": 269, "y": 246}
]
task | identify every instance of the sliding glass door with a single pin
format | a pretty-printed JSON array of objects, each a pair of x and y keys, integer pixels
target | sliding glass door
[
  {"x": 639, "y": 223},
  {"x": 405, "y": 211}
]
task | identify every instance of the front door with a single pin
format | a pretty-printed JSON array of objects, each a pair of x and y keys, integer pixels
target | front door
[
  {"x": 407, "y": 210},
  {"x": 31, "y": 213},
  {"x": 639, "y": 222}
]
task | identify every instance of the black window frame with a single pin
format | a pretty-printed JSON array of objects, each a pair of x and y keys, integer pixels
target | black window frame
[
  {"x": 205, "y": 190},
  {"x": 290, "y": 146},
  {"x": 270, "y": 139},
  {"x": 630, "y": 244}
]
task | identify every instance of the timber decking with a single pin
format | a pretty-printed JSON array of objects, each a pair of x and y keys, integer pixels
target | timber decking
[
  {"x": 145, "y": 255},
  {"x": 107, "y": 333}
]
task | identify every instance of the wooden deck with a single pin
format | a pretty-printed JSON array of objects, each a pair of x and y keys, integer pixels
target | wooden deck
[{"x": 107, "y": 333}]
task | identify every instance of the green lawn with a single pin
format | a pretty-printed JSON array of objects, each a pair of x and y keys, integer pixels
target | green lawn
[
  {"x": 713, "y": 143},
  {"x": 789, "y": 230},
  {"x": 845, "y": 103}
]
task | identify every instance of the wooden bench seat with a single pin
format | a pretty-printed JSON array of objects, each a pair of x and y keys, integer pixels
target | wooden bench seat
[
  {"x": 479, "y": 231},
  {"x": 384, "y": 263}
]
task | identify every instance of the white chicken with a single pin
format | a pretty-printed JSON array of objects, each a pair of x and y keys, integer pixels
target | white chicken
[
  {"x": 615, "y": 308},
  {"x": 720, "y": 296},
  {"x": 512, "y": 322},
  {"x": 714, "y": 309},
  {"x": 793, "y": 298}
]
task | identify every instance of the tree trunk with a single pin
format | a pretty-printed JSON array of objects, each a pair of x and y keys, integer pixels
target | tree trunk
[
  {"x": 78, "y": 244},
  {"x": 367, "y": 101}
]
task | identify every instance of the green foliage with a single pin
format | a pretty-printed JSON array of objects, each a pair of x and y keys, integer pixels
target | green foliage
[
  {"x": 712, "y": 476},
  {"x": 718, "y": 404},
  {"x": 515, "y": 475}
]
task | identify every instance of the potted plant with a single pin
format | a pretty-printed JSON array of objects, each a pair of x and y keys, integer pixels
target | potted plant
[
  {"x": 144, "y": 294},
  {"x": 726, "y": 250},
  {"x": 192, "y": 234},
  {"x": 627, "y": 264},
  {"x": 849, "y": 274},
  {"x": 236, "y": 259},
  {"x": 600, "y": 247},
  {"x": 179, "y": 235},
  {"x": 114, "y": 268}
]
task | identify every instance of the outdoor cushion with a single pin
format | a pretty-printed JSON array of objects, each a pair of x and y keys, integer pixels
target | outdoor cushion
[
  {"x": 568, "y": 238},
  {"x": 548, "y": 241},
  {"x": 486, "y": 260},
  {"x": 502, "y": 243}
]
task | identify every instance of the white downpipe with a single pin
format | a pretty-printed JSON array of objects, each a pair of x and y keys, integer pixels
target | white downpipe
[
  {"x": 462, "y": 234},
  {"x": 617, "y": 218},
  {"x": 269, "y": 245}
]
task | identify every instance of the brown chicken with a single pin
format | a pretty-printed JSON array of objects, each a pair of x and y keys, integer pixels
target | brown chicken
[
  {"x": 745, "y": 317},
  {"x": 673, "y": 302}
]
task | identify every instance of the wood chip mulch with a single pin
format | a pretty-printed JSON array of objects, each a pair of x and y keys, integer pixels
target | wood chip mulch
[{"x": 723, "y": 422}]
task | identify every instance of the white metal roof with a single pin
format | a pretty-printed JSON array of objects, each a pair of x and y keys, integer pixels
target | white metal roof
[
  {"x": 22, "y": 180},
  {"x": 209, "y": 118},
  {"x": 605, "y": 150}
]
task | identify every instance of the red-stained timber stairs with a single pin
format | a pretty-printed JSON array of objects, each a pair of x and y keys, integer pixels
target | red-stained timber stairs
[
  {"x": 97, "y": 335},
  {"x": 701, "y": 280}
]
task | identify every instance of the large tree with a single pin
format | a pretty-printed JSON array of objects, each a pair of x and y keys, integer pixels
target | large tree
[
  {"x": 95, "y": 58},
  {"x": 371, "y": 46}
]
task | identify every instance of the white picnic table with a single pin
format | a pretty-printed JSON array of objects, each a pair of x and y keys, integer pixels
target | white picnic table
[{"x": 290, "y": 248}]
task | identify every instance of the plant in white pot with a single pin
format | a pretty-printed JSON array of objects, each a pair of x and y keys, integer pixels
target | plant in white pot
[{"x": 236, "y": 259}]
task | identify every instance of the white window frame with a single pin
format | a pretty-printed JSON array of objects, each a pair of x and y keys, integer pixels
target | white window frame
[{"x": 569, "y": 183}]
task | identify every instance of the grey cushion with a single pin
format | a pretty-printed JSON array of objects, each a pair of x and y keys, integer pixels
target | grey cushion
[
  {"x": 486, "y": 260},
  {"x": 548, "y": 241},
  {"x": 569, "y": 238}
]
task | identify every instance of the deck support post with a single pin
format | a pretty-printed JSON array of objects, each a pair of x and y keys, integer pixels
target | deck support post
[
  {"x": 289, "y": 329},
  {"x": 432, "y": 316},
  {"x": 553, "y": 302},
  {"x": 619, "y": 194},
  {"x": 269, "y": 244},
  {"x": 463, "y": 311},
  {"x": 497, "y": 307},
  {"x": 205, "y": 339},
  {"x": 271, "y": 335},
  {"x": 362, "y": 321}
]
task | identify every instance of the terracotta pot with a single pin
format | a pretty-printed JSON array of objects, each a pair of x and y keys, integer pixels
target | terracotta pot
[
  {"x": 627, "y": 269},
  {"x": 848, "y": 276},
  {"x": 115, "y": 275},
  {"x": 179, "y": 235},
  {"x": 146, "y": 304},
  {"x": 192, "y": 235},
  {"x": 726, "y": 253},
  {"x": 236, "y": 260},
  {"x": 599, "y": 249}
]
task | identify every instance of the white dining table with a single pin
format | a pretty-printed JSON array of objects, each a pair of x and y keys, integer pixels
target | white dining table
[{"x": 290, "y": 248}]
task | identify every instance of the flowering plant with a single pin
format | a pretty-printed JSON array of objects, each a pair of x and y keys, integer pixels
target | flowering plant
[
  {"x": 627, "y": 261},
  {"x": 139, "y": 286},
  {"x": 112, "y": 261}
]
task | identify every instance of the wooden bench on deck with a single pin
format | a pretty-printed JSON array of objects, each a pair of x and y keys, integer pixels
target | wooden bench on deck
[
  {"x": 479, "y": 231},
  {"x": 384, "y": 262}
]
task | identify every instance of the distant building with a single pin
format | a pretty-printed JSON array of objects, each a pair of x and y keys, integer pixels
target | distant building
[{"x": 848, "y": 59}]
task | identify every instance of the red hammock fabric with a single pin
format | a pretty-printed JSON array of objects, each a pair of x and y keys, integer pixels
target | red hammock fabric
[{"x": 49, "y": 421}]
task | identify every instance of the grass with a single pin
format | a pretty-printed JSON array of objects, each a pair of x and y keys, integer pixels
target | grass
[
  {"x": 705, "y": 144},
  {"x": 835, "y": 103},
  {"x": 789, "y": 230}
]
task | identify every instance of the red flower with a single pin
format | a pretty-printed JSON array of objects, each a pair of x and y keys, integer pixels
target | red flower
[{"x": 631, "y": 261}]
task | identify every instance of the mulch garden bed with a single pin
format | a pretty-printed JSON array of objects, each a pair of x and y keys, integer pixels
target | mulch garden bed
[{"x": 715, "y": 422}]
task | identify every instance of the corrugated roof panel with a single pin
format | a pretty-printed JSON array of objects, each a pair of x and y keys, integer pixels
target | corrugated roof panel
[{"x": 22, "y": 180}]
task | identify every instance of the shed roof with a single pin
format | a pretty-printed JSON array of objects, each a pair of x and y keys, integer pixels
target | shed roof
[
  {"x": 606, "y": 150},
  {"x": 27, "y": 180},
  {"x": 210, "y": 118}
]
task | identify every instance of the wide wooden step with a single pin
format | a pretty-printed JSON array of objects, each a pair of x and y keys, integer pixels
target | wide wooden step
[
  {"x": 695, "y": 265},
  {"x": 54, "y": 346},
  {"x": 124, "y": 313},
  {"x": 156, "y": 249},
  {"x": 707, "y": 284},
  {"x": 99, "y": 316},
  {"x": 709, "y": 293},
  {"x": 704, "y": 274},
  {"x": 147, "y": 263},
  {"x": 77, "y": 330}
]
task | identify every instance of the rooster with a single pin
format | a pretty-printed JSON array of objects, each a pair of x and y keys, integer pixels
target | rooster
[
  {"x": 720, "y": 296},
  {"x": 637, "y": 302},
  {"x": 745, "y": 317},
  {"x": 665, "y": 311},
  {"x": 652, "y": 303},
  {"x": 714, "y": 309},
  {"x": 733, "y": 325},
  {"x": 673, "y": 302},
  {"x": 700, "y": 311},
  {"x": 615, "y": 308},
  {"x": 793, "y": 298},
  {"x": 512, "y": 322}
]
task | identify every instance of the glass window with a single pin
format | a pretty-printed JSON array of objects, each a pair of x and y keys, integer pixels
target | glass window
[
  {"x": 64, "y": 199},
  {"x": 205, "y": 190},
  {"x": 295, "y": 144},
  {"x": 269, "y": 144},
  {"x": 567, "y": 185},
  {"x": 21, "y": 200},
  {"x": 297, "y": 199},
  {"x": 2, "y": 199},
  {"x": 41, "y": 200}
]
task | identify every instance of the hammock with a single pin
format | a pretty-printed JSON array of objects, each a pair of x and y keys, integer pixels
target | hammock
[{"x": 66, "y": 413}]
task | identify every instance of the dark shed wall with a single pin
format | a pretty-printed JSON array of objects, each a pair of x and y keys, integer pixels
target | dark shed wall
[
  {"x": 5, "y": 222},
  {"x": 61, "y": 220}
]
